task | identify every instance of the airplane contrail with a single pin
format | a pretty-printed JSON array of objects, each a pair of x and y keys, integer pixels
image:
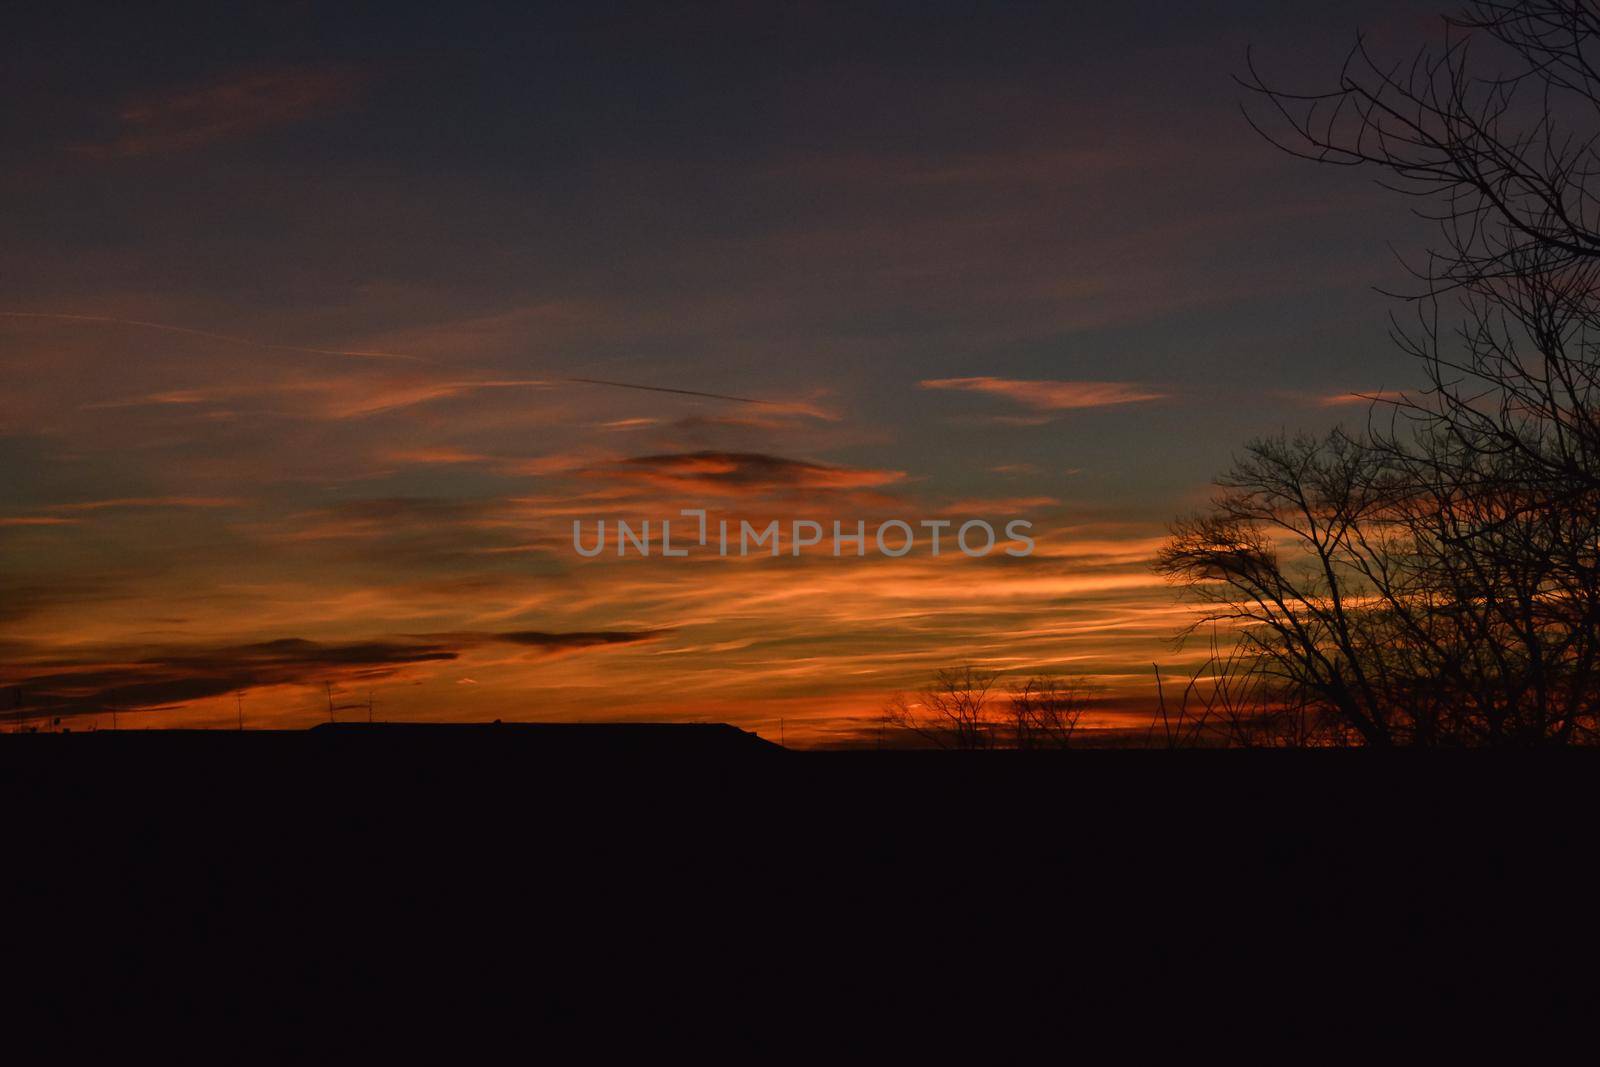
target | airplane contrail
[
  {"x": 680, "y": 392},
  {"x": 358, "y": 353}
]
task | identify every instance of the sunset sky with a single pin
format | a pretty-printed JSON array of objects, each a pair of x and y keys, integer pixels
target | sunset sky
[{"x": 294, "y": 303}]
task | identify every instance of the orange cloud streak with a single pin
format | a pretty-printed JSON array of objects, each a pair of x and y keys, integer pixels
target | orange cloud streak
[{"x": 1045, "y": 395}]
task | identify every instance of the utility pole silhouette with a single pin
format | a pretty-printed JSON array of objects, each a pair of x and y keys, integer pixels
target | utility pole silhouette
[
  {"x": 238, "y": 699},
  {"x": 329, "y": 687},
  {"x": 369, "y": 707}
]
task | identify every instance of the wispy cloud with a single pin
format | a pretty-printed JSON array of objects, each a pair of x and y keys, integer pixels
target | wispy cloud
[
  {"x": 243, "y": 103},
  {"x": 173, "y": 677},
  {"x": 744, "y": 472},
  {"x": 208, "y": 335},
  {"x": 65, "y": 514},
  {"x": 151, "y": 502},
  {"x": 999, "y": 505},
  {"x": 1049, "y": 395},
  {"x": 1333, "y": 400},
  {"x": 438, "y": 455},
  {"x": 341, "y": 397}
]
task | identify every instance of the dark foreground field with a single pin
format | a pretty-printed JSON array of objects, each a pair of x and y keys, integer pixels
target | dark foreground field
[{"x": 332, "y": 891}]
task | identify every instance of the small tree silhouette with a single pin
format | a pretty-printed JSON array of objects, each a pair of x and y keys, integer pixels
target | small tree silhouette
[
  {"x": 1045, "y": 710},
  {"x": 953, "y": 711},
  {"x": 959, "y": 709}
]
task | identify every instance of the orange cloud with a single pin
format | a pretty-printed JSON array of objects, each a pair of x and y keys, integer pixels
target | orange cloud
[
  {"x": 431, "y": 456},
  {"x": 1046, "y": 395},
  {"x": 351, "y": 396},
  {"x": 1341, "y": 399},
  {"x": 999, "y": 505},
  {"x": 743, "y": 472}
]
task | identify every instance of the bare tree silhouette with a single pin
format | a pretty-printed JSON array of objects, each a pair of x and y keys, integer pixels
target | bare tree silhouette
[
  {"x": 1434, "y": 578},
  {"x": 960, "y": 709},
  {"x": 1233, "y": 700},
  {"x": 954, "y": 710},
  {"x": 1045, "y": 710}
]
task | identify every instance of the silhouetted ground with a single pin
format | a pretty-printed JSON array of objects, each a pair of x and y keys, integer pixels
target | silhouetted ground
[{"x": 326, "y": 891}]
